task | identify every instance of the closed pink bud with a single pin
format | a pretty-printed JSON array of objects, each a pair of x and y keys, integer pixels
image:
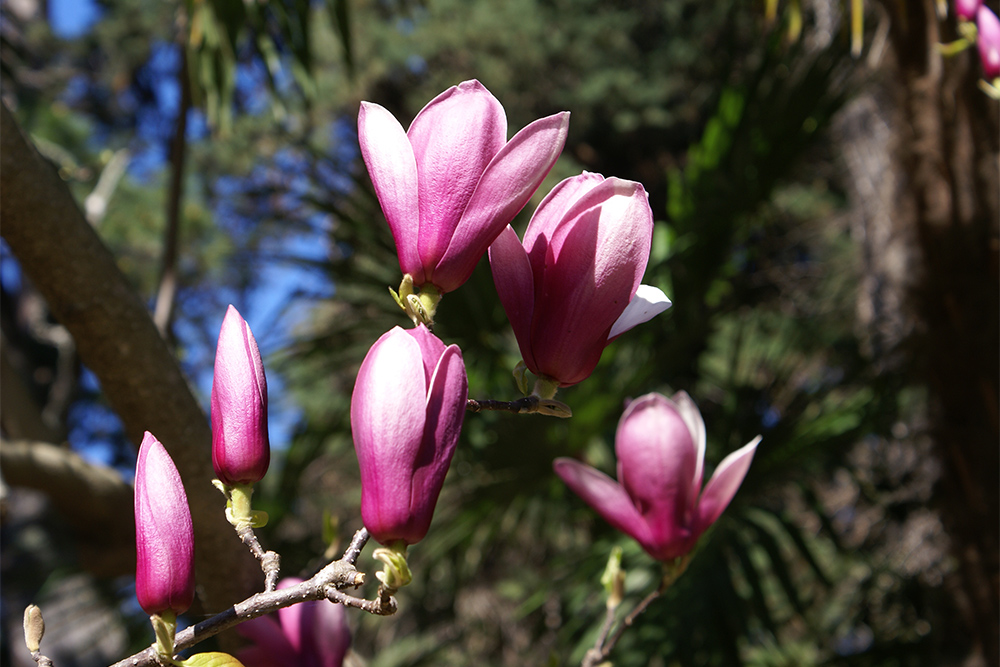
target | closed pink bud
[
  {"x": 452, "y": 182},
  {"x": 309, "y": 634},
  {"x": 988, "y": 42},
  {"x": 164, "y": 535},
  {"x": 573, "y": 284},
  {"x": 658, "y": 499},
  {"x": 406, "y": 415},
  {"x": 241, "y": 451},
  {"x": 966, "y": 9}
]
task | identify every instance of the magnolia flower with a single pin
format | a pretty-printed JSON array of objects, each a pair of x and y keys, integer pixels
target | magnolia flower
[
  {"x": 573, "y": 285},
  {"x": 988, "y": 42},
  {"x": 241, "y": 451},
  {"x": 451, "y": 182},
  {"x": 164, "y": 535},
  {"x": 309, "y": 634},
  {"x": 658, "y": 499},
  {"x": 966, "y": 9},
  {"x": 406, "y": 415}
]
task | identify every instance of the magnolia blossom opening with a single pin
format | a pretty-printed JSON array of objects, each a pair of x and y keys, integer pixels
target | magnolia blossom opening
[
  {"x": 452, "y": 182},
  {"x": 658, "y": 499},
  {"x": 573, "y": 284}
]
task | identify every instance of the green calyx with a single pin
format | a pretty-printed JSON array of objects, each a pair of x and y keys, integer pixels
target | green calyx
[
  {"x": 238, "y": 508},
  {"x": 672, "y": 570},
  {"x": 545, "y": 388},
  {"x": 421, "y": 306},
  {"x": 165, "y": 627},
  {"x": 542, "y": 395},
  {"x": 396, "y": 572}
]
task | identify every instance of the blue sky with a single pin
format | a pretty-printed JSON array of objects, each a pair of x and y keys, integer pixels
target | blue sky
[{"x": 72, "y": 18}]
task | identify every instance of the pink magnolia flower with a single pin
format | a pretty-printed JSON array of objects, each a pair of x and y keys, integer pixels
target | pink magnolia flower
[
  {"x": 967, "y": 9},
  {"x": 451, "y": 182},
  {"x": 406, "y": 415},
  {"x": 308, "y": 634},
  {"x": 573, "y": 285},
  {"x": 164, "y": 535},
  {"x": 988, "y": 42},
  {"x": 241, "y": 451},
  {"x": 658, "y": 499}
]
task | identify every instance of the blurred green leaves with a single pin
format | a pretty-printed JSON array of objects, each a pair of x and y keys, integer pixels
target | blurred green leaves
[{"x": 223, "y": 33}]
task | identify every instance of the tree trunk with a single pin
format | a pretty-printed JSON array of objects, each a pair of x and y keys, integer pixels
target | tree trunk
[{"x": 945, "y": 154}]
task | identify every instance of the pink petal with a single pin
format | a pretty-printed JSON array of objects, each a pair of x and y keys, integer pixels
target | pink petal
[
  {"x": 291, "y": 617},
  {"x": 692, "y": 417},
  {"x": 454, "y": 138},
  {"x": 387, "y": 423},
  {"x": 988, "y": 42},
  {"x": 431, "y": 349},
  {"x": 446, "y": 401},
  {"x": 389, "y": 157},
  {"x": 592, "y": 266},
  {"x": 515, "y": 287},
  {"x": 656, "y": 464},
  {"x": 605, "y": 495},
  {"x": 724, "y": 483},
  {"x": 271, "y": 647},
  {"x": 509, "y": 181},
  {"x": 331, "y": 636},
  {"x": 324, "y": 634},
  {"x": 553, "y": 208}
]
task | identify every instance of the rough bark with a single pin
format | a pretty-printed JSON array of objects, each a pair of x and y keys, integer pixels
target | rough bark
[{"x": 116, "y": 339}]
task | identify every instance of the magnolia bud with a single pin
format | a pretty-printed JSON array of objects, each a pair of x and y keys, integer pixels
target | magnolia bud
[
  {"x": 241, "y": 451},
  {"x": 406, "y": 415},
  {"x": 164, "y": 534}
]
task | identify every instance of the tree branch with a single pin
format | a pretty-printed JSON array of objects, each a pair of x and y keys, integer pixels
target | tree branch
[
  {"x": 116, "y": 339},
  {"x": 166, "y": 295},
  {"x": 89, "y": 496}
]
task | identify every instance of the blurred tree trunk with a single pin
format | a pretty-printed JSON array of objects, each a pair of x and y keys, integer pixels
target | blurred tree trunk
[
  {"x": 944, "y": 188},
  {"x": 115, "y": 337}
]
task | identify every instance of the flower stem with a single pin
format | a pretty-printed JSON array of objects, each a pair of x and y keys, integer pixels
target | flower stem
[{"x": 603, "y": 647}]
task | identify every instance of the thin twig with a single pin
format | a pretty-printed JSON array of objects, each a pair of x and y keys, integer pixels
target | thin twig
[
  {"x": 525, "y": 404},
  {"x": 377, "y": 607},
  {"x": 40, "y": 659},
  {"x": 96, "y": 203},
  {"x": 270, "y": 561},
  {"x": 358, "y": 543},
  {"x": 166, "y": 294},
  {"x": 603, "y": 648},
  {"x": 528, "y": 405},
  {"x": 609, "y": 621}
]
